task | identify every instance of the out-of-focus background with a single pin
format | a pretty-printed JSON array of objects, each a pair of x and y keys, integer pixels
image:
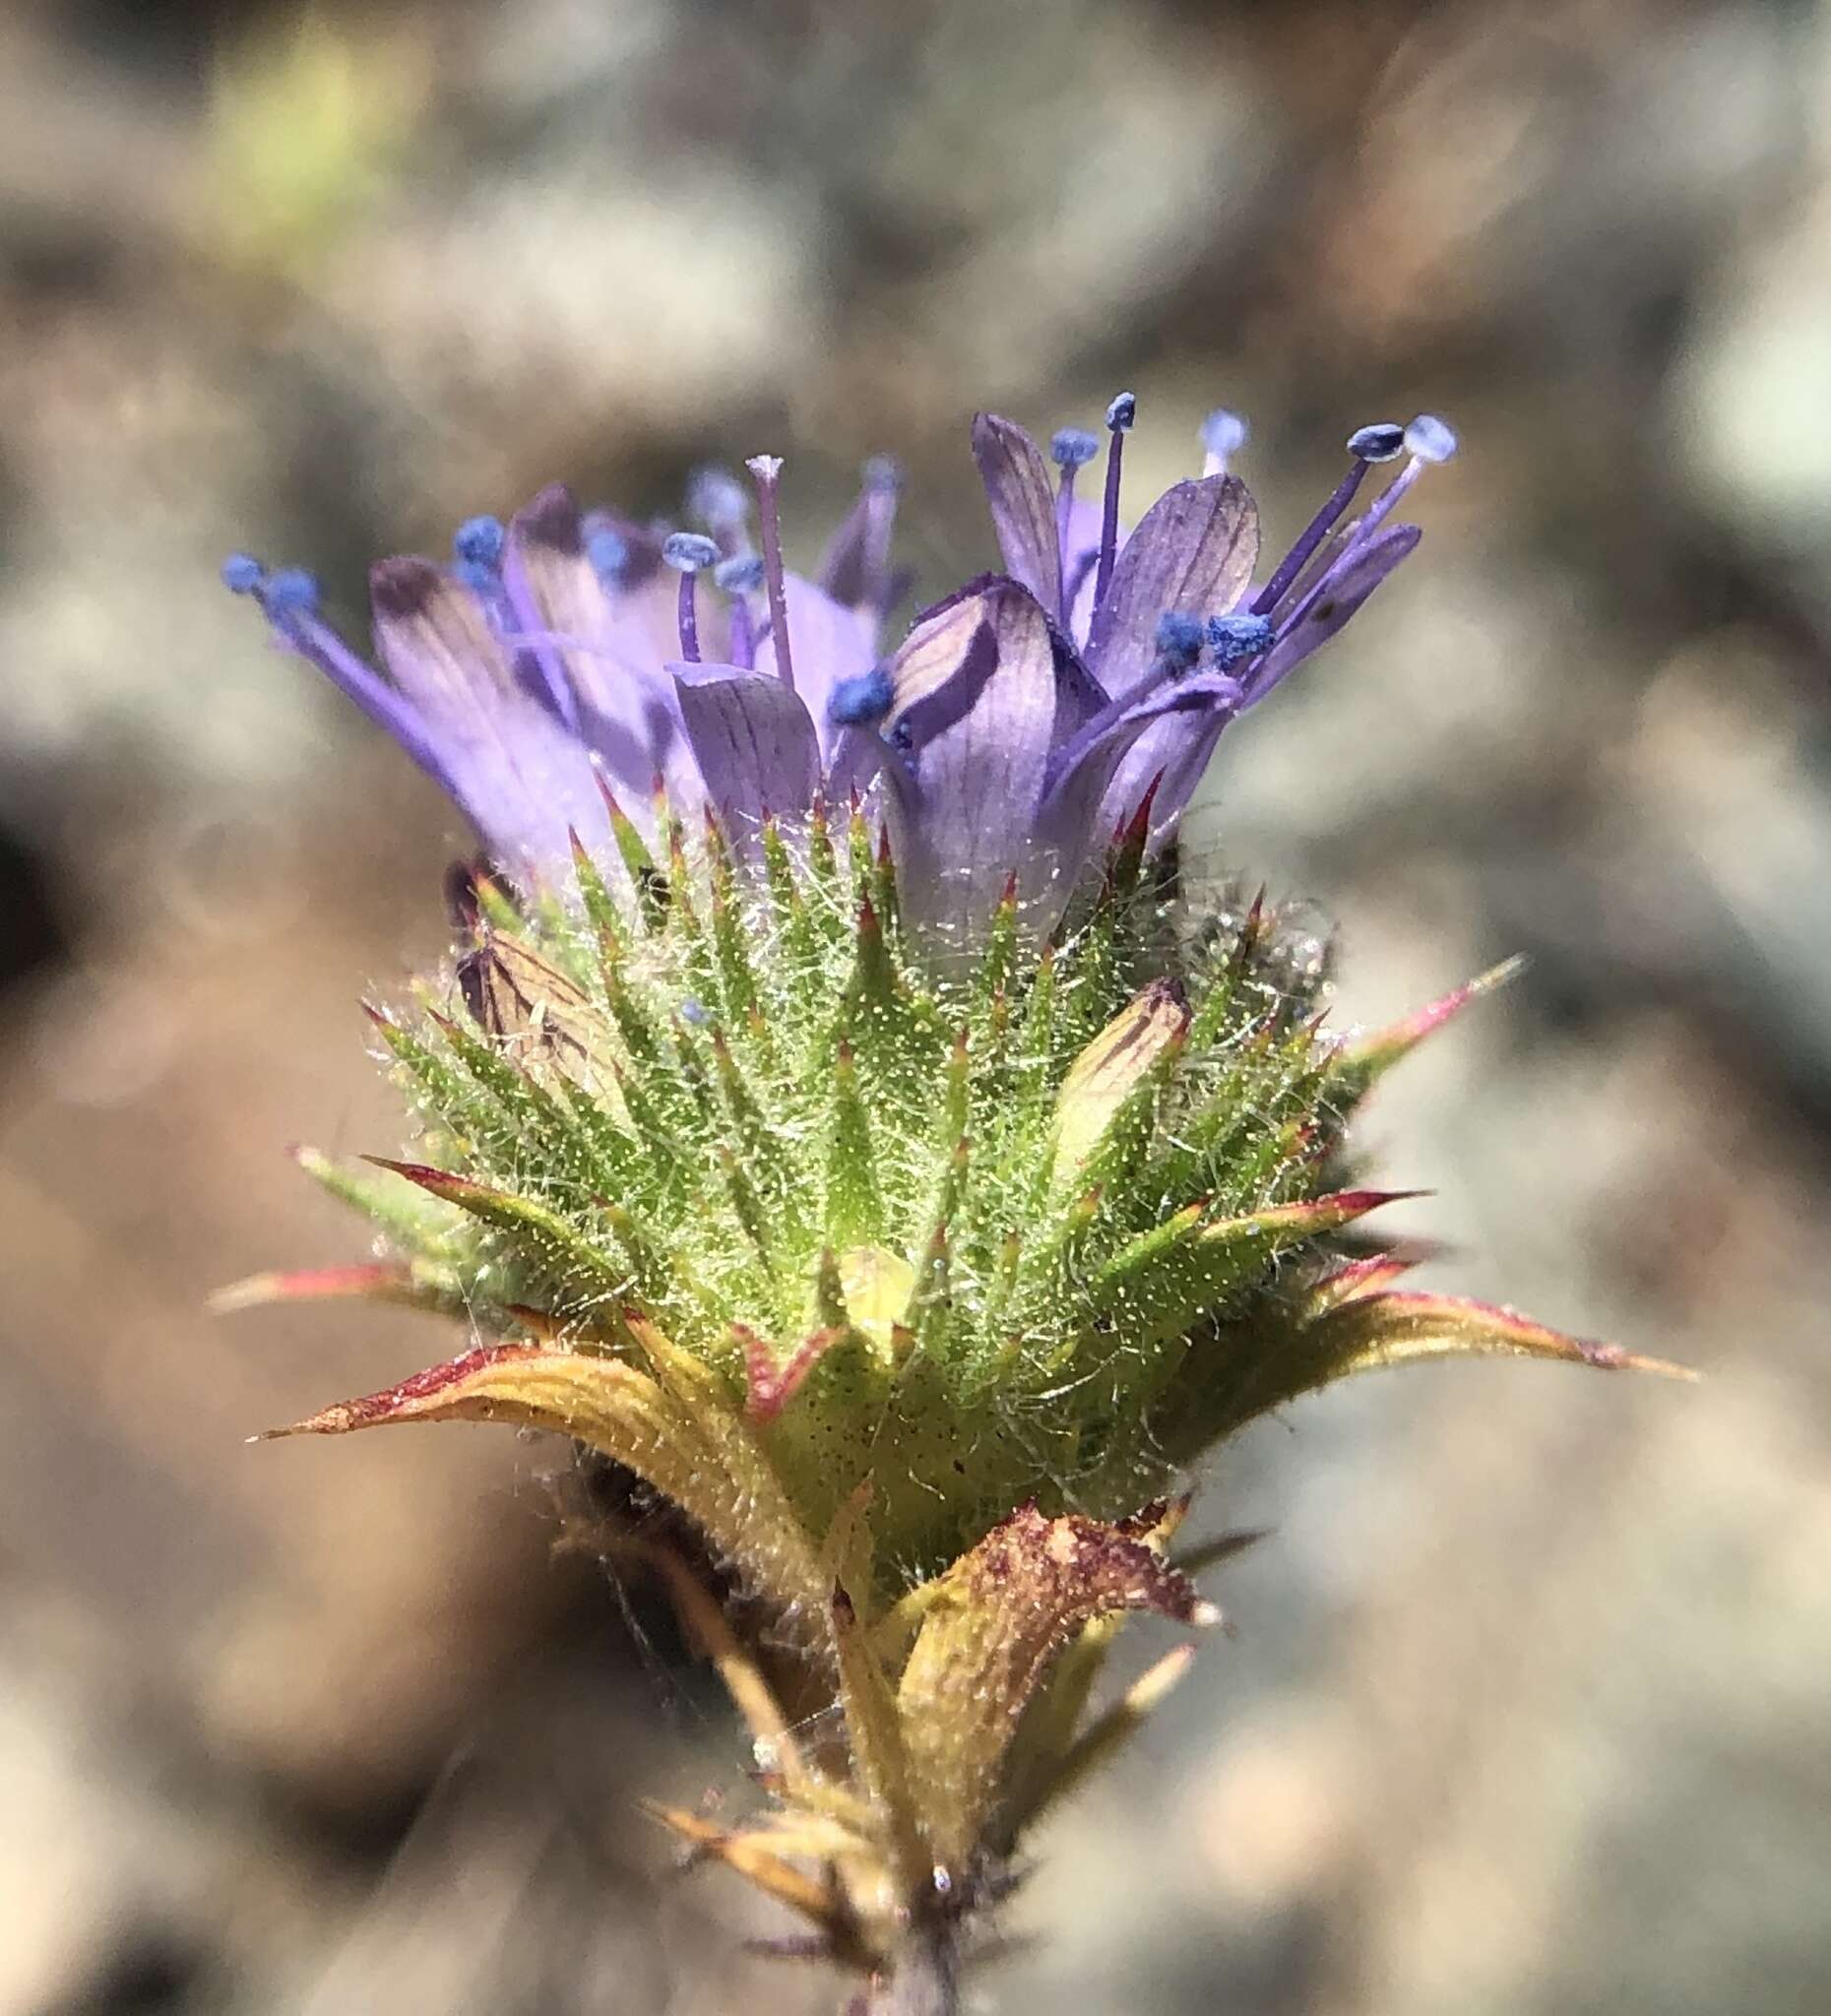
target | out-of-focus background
[{"x": 1527, "y": 1709}]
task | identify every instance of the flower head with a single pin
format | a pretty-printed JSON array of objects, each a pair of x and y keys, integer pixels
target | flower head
[
  {"x": 1021, "y": 721},
  {"x": 916, "y": 1282}
]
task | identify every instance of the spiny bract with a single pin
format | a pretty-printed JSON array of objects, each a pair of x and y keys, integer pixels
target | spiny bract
[{"x": 979, "y": 1241}]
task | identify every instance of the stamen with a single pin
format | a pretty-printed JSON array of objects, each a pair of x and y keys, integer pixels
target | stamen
[
  {"x": 1119, "y": 417},
  {"x": 481, "y": 540},
  {"x": 607, "y": 552},
  {"x": 290, "y": 591},
  {"x": 1223, "y": 434},
  {"x": 1379, "y": 442},
  {"x": 767, "y": 469},
  {"x": 288, "y": 598},
  {"x": 741, "y": 574},
  {"x": 717, "y": 499},
  {"x": 1233, "y": 640},
  {"x": 688, "y": 552},
  {"x": 1179, "y": 640},
  {"x": 1428, "y": 441},
  {"x": 476, "y": 554},
  {"x": 742, "y": 648},
  {"x": 863, "y": 699},
  {"x": 479, "y": 548},
  {"x": 1070, "y": 448},
  {"x": 1382, "y": 441},
  {"x": 478, "y": 541}
]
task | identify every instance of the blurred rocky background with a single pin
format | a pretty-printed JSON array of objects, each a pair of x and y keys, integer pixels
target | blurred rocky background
[{"x": 1526, "y": 1710}]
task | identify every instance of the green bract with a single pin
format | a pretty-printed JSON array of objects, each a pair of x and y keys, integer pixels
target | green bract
[
  {"x": 977, "y": 1240},
  {"x": 917, "y": 1291}
]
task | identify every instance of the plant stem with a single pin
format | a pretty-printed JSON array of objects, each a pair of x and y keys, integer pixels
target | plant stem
[{"x": 926, "y": 1982}]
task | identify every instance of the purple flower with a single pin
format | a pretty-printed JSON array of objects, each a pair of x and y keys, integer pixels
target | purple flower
[{"x": 1021, "y": 721}]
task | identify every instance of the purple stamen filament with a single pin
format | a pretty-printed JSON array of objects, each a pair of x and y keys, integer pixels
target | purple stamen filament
[
  {"x": 743, "y": 634},
  {"x": 1318, "y": 530},
  {"x": 689, "y": 619},
  {"x": 1353, "y": 546},
  {"x": 767, "y": 469},
  {"x": 307, "y": 633},
  {"x": 1109, "y": 517},
  {"x": 1064, "y": 508}
]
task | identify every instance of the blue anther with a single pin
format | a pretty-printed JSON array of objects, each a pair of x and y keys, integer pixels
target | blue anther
[
  {"x": 242, "y": 574},
  {"x": 882, "y": 473},
  {"x": 741, "y": 574},
  {"x": 1380, "y": 442},
  {"x": 717, "y": 499},
  {"x": 1430, "y": 439},
  {"x": 694, "y": 1012},
  {"x": 291, "y": 591},
  {"x": 1231, "y": 640},
  {"x": 863, "y": 698},
  {"x": 607, "y": 552},
  {"x": 688, "y": 552},
  {"x": 1223, "y": 433},
  {"x": 479, "y": 543},
  {"x": 1123, "y": 412},
  {"x": 1071, "y": 446},
  {"x": 1179, "y": 639}
]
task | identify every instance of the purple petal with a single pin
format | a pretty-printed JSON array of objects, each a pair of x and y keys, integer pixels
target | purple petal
[
  {"x": 928, "y": 697},
  {"x": 1173, "y": 752},
  {"x": 855, "y": 569},
  {"x": 1180, "y": 747},
  {"x": 1023, "y": 505},
  {"x": 1341, "y": 592},
  {"x": 1100, "y": 779},
  {"x": 512, "y": 765},
  {"x": 754, "y": 742},
  {"x": 606, "y": 645},
  {"x": 856, "y": 757},
  {"x": 827, "y": 644},
  {"x": 1192, "y": 554},
  {"x": 985, "y": 689}
]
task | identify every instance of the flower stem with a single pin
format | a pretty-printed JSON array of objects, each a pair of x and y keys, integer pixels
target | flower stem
[{"x": 926, "y": 1982}]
